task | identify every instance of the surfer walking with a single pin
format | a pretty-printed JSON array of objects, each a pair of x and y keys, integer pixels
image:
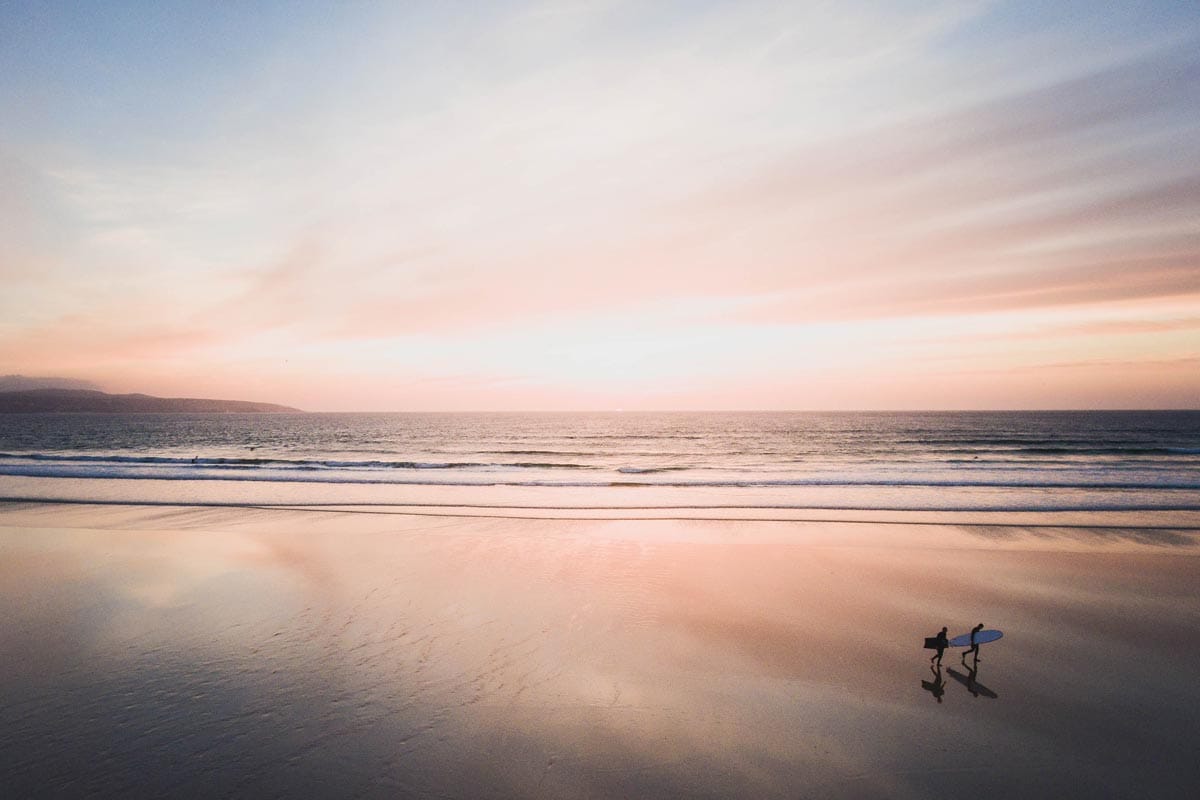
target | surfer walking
[
  {"x": 940, "y": 643},
  {"x": 974, "y": 651}
]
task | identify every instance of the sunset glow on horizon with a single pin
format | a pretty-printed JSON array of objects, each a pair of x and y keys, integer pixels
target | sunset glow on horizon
[{"x": 602, "y": 205}]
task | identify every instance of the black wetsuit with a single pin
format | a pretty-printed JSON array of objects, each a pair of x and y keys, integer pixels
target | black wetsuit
[
  {"x": 974, "y": 644},
  {"x": 940, "y": 644}
]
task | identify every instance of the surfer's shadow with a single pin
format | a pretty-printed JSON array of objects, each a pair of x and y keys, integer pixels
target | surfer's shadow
[
  {"x": 971, "y": 681},
  {"x": 968, "y": 679}
]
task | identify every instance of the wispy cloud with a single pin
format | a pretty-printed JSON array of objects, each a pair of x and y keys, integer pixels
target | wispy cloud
[{"x": 647, "y": 198}]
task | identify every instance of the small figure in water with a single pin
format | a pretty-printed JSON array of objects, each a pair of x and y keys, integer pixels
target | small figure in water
[
  {"x": 974, "y": 644},
  {"x": 940, "y": 644}
]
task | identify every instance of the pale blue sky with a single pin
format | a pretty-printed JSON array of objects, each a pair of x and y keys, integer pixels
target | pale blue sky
[{"x": 597, "y": 204}]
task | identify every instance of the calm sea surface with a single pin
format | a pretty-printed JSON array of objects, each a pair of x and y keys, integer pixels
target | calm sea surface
[{"x": 934, "y": 460}]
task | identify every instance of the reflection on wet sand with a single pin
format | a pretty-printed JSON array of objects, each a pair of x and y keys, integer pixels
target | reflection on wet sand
[
  {"x": 937, "y": 686},
  {"x": 971, "y": 681},
  {"x": 275, "y": 653}
]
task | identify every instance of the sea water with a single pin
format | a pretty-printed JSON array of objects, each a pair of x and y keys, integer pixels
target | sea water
[{"x": 1037, "y": 461}]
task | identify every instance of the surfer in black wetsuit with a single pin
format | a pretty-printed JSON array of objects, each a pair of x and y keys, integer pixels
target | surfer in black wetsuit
[
  {"x": 940, "y": 643},
  {"x": 974, "y": 644}
]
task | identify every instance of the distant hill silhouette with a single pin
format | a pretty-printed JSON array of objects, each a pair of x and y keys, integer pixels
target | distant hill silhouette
[
  {"x": 87, "y": 400},
  {"x": 22, "y": 383}
]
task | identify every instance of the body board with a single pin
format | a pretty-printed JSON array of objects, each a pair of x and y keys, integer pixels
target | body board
[
  {"x": 931, "y": 642},
  {"x": 983, "y": 637}
]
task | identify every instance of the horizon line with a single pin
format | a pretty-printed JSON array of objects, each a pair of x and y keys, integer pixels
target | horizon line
[{"x": 745, "y": 410}]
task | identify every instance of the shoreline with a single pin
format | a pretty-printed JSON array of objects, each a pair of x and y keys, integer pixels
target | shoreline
[{"x": 628, "y": 503}]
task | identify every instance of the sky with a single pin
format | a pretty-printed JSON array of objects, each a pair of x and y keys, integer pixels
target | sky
[{"x": 605, "y": 205}]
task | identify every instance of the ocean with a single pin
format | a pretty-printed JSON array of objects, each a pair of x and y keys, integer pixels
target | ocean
[{"x": 937, "y": 461}]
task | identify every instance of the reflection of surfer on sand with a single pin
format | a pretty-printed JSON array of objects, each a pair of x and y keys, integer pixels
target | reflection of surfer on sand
[
  {"x": 973, "y": 686},
  {"x": 937, "y": 686}
]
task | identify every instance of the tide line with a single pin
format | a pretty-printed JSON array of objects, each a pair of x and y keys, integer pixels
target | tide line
[{"x": 470, "y": 511}]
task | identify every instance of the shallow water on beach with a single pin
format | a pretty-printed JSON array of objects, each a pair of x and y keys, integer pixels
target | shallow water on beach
[{"x": 271, "y": 653}]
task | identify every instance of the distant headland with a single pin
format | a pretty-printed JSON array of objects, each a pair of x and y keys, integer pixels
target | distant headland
[{"x": 89, "y": 400}]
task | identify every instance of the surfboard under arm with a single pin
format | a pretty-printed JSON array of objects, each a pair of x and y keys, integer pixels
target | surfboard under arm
[{"x": 983, "y": 637}]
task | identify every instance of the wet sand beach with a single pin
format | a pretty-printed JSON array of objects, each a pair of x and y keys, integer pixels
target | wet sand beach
[{"x": 203, "y": 651}]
